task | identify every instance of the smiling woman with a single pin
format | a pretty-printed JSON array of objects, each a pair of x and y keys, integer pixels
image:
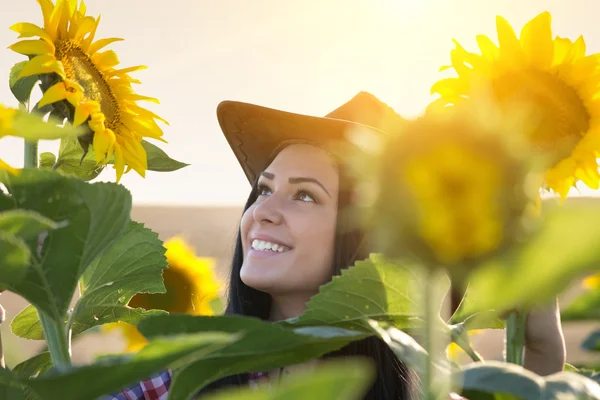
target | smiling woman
[
  {"x": 295, "y": 234},
  {"x": 293, "y": 209}
]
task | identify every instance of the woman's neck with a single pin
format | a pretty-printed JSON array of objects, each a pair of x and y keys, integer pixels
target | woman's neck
[{"x": 288, "y": 306}]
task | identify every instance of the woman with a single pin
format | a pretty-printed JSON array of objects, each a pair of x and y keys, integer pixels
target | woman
[{"x": 291, "y": 240}]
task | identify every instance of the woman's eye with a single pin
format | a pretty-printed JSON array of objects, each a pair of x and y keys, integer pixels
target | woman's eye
[
  {"x": 264, "y": 191},
  {"x": 306, "y": 197}
]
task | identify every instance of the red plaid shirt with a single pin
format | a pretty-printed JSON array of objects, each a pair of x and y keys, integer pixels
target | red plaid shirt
[
  {"x": 157, "y": 387},
  {"x": 154, "y": 388}
]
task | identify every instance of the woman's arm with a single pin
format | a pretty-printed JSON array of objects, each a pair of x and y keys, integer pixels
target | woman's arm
[{"x": 545, "y": 351}]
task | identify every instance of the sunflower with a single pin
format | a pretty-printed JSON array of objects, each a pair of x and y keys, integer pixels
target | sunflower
[
  {"x": 6, "y": 118},
  {"x": 190, "y": 283},
  {"x": 592, "y": 282},
  {"x": 83, "y": 84},
  {"x": 551, "y": 76},
  {"x": 450, "y": 191}
]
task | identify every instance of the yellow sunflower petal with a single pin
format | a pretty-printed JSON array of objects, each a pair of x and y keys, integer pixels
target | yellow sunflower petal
[
  {"x": 562, "y": 50},
  {"x": 507, "y": 39},
  {"x": 55, "y": 93},
  {"x": 85, "y": 43},
  {"x": 488, "y": 49},
  {"x": 448, "y": 86},
  {"x": 536, "y": 40},
  {"x": 42, "y": 64},
  {"x": 104, "y": 144},
  {"x": 82, "y": 8},
  {"x": 124, "y": 71},
  {"x": 138, "y": 97},
  {"x": 86, "y": 25},
  {"x": 33, "y": 47},
  {"x": 119, "y": 165},
  {"x": 105, "y": 60},
  {"x": 579, "y": 48},
  {"x": 99, "y": 44},
  {"x": 47, "y": 7},
  {"x": 26, "y": 29},
  {"x": 64, "y": 17},
  {"x": 84, "y": 110},
  {"x": 55, "y": 18},
  {"x": 5, "y": 167},
  {"x": 142, "y": 112}
]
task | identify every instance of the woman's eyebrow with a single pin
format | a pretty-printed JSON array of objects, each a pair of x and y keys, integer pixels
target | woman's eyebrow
[
  {"x": 306, "y": 179},
  {"x": 296, "y": 180}
]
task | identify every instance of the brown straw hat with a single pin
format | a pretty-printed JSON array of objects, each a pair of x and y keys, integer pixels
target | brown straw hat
[{"x": 255, "y": 133}]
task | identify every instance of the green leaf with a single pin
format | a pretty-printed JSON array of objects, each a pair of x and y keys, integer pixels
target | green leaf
[
  {"x": 27, "y": 325},
  {"x": 96, "y": 214},
  {"x": 264, "y": 346},
  {"x": 93, "y": 381},
  {"x": 592, "y": 342},
  {"x": 335, "y": 380},
  {"x": 566, "y": 247},
  {"x": 14, "y": 258},
  {"x": 158, "y": 160},
  {"x": 570, "y": 385},
  {"x": 475, "y": 320},
  {"x": 405, "y": 347},
  {"x": 376, "y": 289},
  {"x": 133, "y": 264},
  {"x": 33, "y": 127},
  {"x": 583, "y": 308},
  {"x": 10, "y": 388},
  {"x": 36, "y": 365},
  {"x": 495, "y": 377},
  {"x": 21, "y": 88},
  {"x": 25, "y": 224},
  {"x": 71, "y": 161},
  {"x": 47, "y": 160}
]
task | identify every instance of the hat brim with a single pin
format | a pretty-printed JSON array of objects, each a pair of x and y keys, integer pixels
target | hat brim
[{"x": 255, "y": 132}]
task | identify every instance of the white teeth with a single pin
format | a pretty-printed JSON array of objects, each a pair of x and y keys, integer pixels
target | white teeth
[{"x": 261, "y": 245}]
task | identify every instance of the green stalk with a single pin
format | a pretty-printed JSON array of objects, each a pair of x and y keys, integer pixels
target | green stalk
[
  {"x": 430, "y": 391},
  {"x": 57, "y": 340},
  {"x": 31, "y": 154},
  {"x": 515, "y": 337}
]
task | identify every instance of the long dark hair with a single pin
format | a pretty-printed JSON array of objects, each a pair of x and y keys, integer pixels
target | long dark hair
[{"x": 393, "y": 380}]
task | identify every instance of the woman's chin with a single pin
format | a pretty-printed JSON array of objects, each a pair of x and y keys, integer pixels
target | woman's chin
[{"x": 260, "y": 277}]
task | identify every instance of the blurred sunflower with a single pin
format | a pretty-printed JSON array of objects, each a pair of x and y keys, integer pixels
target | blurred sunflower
[
  {"x": 450, "y": 190},
  {"x": 191, "y": 286},
  {"x": 551, "y": 76},
  {"x": 592, "y": 282},
  {"x": 6, "y": 118},
  {"x": 82, "y": 83}
]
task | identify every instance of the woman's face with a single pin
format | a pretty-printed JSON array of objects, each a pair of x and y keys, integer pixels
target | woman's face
[{"x": 288, "y": 234}]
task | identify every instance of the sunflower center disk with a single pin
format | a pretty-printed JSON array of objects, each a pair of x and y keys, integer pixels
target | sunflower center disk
[
  {"x": 80, "y": 68},
  {"x": 559, "y": 114}
]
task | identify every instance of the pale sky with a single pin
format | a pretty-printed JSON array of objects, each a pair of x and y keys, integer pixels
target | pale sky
[{"x": 306, "y": 56}]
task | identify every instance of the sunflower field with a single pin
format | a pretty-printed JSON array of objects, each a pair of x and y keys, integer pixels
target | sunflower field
[{"x": 472, "y": 195}]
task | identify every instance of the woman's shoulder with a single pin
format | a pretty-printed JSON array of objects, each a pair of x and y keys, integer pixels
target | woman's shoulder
[{"x": 155, "y": 387}]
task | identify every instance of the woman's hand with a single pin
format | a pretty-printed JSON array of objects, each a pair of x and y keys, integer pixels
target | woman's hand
[{"x": 545, "y": 351}]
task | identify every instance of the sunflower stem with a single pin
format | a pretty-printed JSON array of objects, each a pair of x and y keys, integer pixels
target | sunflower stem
[
  {"x": 57, "y": 341},
  {"x": 515, "y": 336},
  {"x": 31, "y": 154},
  {"x": 431, "y": 319}
]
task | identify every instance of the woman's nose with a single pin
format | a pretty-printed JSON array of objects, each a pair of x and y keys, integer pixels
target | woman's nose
[{"x": 268, "y": 211}]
